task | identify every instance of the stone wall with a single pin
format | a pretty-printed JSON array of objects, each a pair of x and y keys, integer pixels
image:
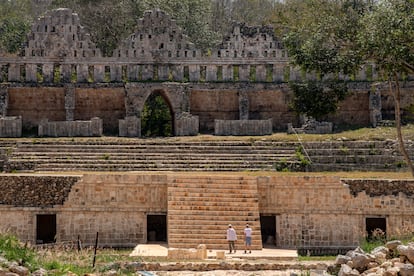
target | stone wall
[
  {"x": 328, "y": 212},
  {"x": 209, "y": 102},
  {"x": 35, "y": 191},
  {"x": 116, "y": 206},
  {"x": 36, "y": 103},
  {"x": 315, "y": 211}
]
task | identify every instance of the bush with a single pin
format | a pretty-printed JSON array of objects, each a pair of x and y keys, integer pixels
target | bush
[{"x": 13, "y": 250}]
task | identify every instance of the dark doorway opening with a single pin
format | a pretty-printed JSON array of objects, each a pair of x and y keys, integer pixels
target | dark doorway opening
[
  {"x": 268, "y": 230},
  {"x": 376, "y": 228},
  {"x": 45, "y": 229},
  {"x": 156, "y": 228},
  {"x": 156, "y": 117}
]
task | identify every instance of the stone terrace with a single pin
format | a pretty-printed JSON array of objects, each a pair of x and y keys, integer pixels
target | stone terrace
[
  {"x": 126, "y": 154},
  {"x": 146, "y": 155}
]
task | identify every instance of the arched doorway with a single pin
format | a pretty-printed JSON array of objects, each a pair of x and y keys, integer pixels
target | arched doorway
[{"x": 157, "y": 116}]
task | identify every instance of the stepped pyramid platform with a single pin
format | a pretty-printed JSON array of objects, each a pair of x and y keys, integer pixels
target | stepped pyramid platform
[{"x": 200, "y": 209}]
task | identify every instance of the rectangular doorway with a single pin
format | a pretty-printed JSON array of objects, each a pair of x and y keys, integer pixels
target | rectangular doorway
[
  {"x": 268, "y": 230},
  {"x": 157, "y": 228},
  {"x": 376, "y": 228},
  {"x": 45, "y": 229}
]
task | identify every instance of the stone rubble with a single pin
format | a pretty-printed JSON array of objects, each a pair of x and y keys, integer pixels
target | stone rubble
[{"x": 393, "y": 259}]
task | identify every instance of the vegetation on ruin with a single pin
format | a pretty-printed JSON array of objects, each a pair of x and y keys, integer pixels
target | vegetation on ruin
[
  {"x": 340, "y": 37},
  {"x": 317, "y": 98},
  {"x": 156, "y": 117}
]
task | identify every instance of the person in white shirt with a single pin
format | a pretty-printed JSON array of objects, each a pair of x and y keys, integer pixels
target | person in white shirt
[
  {"x": 231, "y": 238},
  {"x": 247, "y": 238}
]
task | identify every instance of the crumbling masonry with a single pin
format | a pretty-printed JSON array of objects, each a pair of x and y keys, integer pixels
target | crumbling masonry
[{"x": 62, "y": 77}]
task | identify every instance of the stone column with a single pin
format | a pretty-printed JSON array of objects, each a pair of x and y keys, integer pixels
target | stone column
[
  {"x": 70, "y": 101},
  {"x": 243, "y": 105},
  {"x": 375, "y": 105},
  {"x": 130, "y": 126},
  {"x": 4, "y": 100}
]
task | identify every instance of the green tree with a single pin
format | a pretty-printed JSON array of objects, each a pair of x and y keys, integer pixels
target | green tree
[
  {"x": 111, "y": 21},
  {"x": 107, "y": 21},
  {"x": 193, "y": 16},
  {"x": 156, "y": 117},
  {"x": 317, "y": 98},
  {"x": 15, "y": 20},
  {"x": 347, "y": 34},
  {"x": 387, "y": 39}
]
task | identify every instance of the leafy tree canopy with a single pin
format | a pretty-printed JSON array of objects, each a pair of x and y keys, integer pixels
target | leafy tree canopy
[
  {"x": 346, "y": 34},
  {"x": 15, "y": 22},
  {"x": 317, "y": 98}
]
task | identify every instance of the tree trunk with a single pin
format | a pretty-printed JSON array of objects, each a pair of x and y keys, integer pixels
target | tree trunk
[{"x": 403, "y": 150}]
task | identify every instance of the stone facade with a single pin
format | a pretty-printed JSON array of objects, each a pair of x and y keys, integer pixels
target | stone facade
[
  {"x": 63, "y": 76},
  {"x": 308, "y": 210}
]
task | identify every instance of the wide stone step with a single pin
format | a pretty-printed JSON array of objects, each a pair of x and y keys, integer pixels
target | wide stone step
[
  {"x": 355, "y": 167},
  {"x": 148, "y": 167},
  {"x": 209, "y": 214},
  {"x": 149, "y": 156},
  {"x": 210, "y": 235},
  {"x": 214, "y": 212},
  {"x": 192, "y": 185},
  {"x": 346, "y": 152},
  {"x": 187, "y": 200},
  {"x": 360, "y": 159},
  {"x": 209, "y": 202},
  {"x": 223, "y": 192},
  {"x": 349, "y": 145},
  {"x": 205, "y": 192},
  {"x": 102, "y": 141},
  {"x": 236, "y": 221},
  {"x": 146, "y": 147}
]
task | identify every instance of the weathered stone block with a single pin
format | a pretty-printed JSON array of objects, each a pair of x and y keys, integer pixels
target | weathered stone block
[
  {"x": 71, "y": 128},
  {"x": 11, "y": 126},
  {"x": 130, "y": 127},
  {"x": 243, "y": 127},
  {"x": 186, "y": 124}
]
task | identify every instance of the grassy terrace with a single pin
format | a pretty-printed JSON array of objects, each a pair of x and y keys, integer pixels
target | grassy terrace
[{"x": 366, "y": 134}]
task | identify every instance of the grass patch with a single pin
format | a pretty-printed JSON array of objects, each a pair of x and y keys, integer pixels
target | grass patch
[
  {"x": 13, "y": 250},
  {"x": 316, "y": 258}
]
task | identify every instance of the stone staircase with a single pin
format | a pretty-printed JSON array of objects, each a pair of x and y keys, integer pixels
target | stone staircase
[
  {"x": 147, "y": 155},
  {"x": 126, "y": 154},
  {"x": 199, "y": 211},
  {"x": 356, "y": 155}
]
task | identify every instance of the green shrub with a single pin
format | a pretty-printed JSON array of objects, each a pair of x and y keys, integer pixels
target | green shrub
[{"x": 13, "y": 250}]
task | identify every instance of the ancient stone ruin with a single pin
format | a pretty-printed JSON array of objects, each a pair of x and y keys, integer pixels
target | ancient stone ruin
[{"x": 237, "y": 88}]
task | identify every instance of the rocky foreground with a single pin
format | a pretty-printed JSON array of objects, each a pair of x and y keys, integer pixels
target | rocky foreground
[{"x": 393, "y": 259}]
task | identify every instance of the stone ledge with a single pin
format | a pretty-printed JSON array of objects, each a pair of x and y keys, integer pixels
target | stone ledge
[{"x": 223, "y": 265}]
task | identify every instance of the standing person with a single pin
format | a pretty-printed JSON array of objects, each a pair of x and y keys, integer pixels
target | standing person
[
  {"x": 231, "y": 238},
  {"x": 247, "y": 238}
]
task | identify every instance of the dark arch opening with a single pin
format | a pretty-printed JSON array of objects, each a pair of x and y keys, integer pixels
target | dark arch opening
[{"x": 157, "y": 116}]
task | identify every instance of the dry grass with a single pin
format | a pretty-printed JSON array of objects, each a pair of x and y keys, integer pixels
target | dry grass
[{"x": 366, "y": 134}]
